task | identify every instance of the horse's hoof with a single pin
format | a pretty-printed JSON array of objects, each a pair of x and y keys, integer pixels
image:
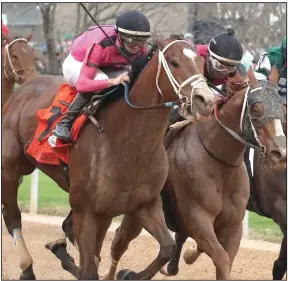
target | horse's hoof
[
  {"x": 164, "y": 271},
  {"x": 172, "y": 269},
  {"x": 126, "y": 274},
  {"x": 28, "y": 274},
  {"x": 54, "y": 245}
]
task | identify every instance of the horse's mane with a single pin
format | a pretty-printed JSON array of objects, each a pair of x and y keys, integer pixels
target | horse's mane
[
  {"x": 140, "y": 63},
  {"x": 17, "y": 37}
]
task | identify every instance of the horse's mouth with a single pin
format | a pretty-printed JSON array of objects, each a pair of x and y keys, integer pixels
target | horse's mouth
[
  {"x": 276, "y": 159},
  {"x": 198, "y": 114}
]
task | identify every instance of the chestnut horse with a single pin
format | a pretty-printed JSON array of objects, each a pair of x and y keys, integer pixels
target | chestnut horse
[
  {"x": 18, "y": 64},
  {"x": 208, "y": 180},
  {"x": 118, "y": 171},
  {"x": 207, "y": 188}
]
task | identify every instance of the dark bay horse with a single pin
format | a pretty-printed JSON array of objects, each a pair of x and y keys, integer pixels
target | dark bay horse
[
  {"x": 18, "y": 64},
  {"x": 269, "y": 195},
  {"x": 118, "y": 171},
  {"x": 207, "y": 184}
]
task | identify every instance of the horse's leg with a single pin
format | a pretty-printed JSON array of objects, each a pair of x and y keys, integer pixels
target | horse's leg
[
  {"x": 59, "y": 247},
  {"x": 280, "y": 265},
  {"x": 14, "y": 165},
  {"x": 129, "y": 229},
  {"x": 199, "y": 225},
  {"x": 173, "y": 265},
  {"x": 152, "y": 219},
  {"x": 230, "y": 237},
  {"x": 90, "y": 232}
]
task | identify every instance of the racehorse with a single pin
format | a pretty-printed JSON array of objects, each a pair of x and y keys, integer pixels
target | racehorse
[
  {"x": 269, "y": 199},
  {"x": 119, "y": 170},
  {"x": 18, "y": 64},
  {"x": 207, "y": 188}
]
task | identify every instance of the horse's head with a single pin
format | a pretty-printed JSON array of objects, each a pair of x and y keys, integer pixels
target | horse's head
[
  {"x": 182, "y": 71},
  {"x": 18, "y": 61},
  {"x": 266, "y": 114}
]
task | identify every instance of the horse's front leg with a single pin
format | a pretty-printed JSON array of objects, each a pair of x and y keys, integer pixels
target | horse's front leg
[{"x": 152, "y": 219}]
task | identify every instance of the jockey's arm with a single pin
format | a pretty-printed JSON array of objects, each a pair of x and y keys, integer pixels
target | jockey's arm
[
  {"x": 92, "y": 60},
  {"x": 263, "y": 67}
]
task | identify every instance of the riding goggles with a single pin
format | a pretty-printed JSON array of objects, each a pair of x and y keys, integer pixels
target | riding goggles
[
  {"x": 134, "y": 41},
  {"x": 217, "y": 65}
]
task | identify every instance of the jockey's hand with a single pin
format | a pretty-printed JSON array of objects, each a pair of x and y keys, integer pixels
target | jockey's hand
[{"x": 119, "y": 80}]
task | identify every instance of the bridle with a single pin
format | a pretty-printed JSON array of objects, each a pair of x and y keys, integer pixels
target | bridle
[
  {"x": 196, "y": 81},
  {"x": 7, "y": 57}
]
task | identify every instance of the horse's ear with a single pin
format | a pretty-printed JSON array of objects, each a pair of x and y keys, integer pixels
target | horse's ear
[
  {"x": 200, "y": 63},
  {"x": 29, "y": 37},
  {"x": 7, "y": 38},
  {"x": 160, "y": 44},
  {"x": 274, "y": 75},
  {"x": 252, "y": 79}
]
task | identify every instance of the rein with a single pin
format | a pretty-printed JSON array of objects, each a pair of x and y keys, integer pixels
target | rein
[
  {"x": 195, "y": 81},
  {"x": 261, "y": 147},
  {"x": 233, "y": 134},
  {"x": 7, "y": 55}
]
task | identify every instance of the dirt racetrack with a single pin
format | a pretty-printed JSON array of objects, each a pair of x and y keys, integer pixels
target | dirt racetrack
[{"x": 248, "y": 264}]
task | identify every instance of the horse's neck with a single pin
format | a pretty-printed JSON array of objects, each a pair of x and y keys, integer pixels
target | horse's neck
[
  {"x": 142, "y": 125},
  {"x": 155, "y": 120},
  {"x": 7, "y": 88},
  {"x": 217, "y": 140}
]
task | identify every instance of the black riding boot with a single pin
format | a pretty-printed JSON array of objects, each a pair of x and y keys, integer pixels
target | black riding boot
[
  {"x": 63, "y": 128},
  {"x": 175, "y": 116}
]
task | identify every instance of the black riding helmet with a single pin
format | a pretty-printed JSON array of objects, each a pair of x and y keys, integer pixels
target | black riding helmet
[
  {"x": 133, "y": 28},
  {"x": 133, "y": 24},
  {"x": 225, "y": 47}
]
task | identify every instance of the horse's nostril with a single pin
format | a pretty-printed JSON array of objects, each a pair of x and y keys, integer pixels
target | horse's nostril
[
  {"x": 276, "y": 155},
  {"x": 199, "y": 100}
]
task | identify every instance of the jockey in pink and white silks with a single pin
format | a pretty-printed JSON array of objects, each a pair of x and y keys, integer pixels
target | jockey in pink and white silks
[{"x": 92, "y": 52}]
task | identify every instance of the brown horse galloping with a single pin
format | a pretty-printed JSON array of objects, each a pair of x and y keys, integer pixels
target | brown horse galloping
[
  {"x": 211, "y": 195},
  {"x": 207, "y": 187},
  {"x": 118, "y": 171},
  {"x": 18, "y": 64},
  {"x": 269, "y": 197},
  {"x": 208, "y": 179}
]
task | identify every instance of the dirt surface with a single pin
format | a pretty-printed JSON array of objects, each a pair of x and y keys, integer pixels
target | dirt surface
[{"x": 248, "y": 264}]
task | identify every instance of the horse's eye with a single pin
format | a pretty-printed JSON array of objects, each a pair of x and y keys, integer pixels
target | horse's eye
[
  {"x": 256, "y": 110},
  {"x": 174, "y": 63},
  {"x": 14, "y": 57}
]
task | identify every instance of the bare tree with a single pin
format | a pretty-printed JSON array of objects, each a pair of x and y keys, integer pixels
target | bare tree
[
  {"x": 259, "y": 25},
  {"x": 108, "y": 12},
  {"x": 48, "y": 14}
]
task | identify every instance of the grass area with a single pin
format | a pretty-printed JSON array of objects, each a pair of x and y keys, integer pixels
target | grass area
[
  {"x": 263, "y": 229},
  {"x": 54, "y": 201}
]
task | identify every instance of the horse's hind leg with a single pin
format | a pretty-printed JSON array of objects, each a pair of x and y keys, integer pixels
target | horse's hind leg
[
  {"x": 280, "y": 265},
  {"x": 59, "y": 247},
  {"x": 152, "y": 219},
  {"x": 173, "y": 265},
  {"x": 14, "y": 165}
]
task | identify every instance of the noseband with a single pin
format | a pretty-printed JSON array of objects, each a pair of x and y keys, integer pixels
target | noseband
[{"x": 7, "y": 57}]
